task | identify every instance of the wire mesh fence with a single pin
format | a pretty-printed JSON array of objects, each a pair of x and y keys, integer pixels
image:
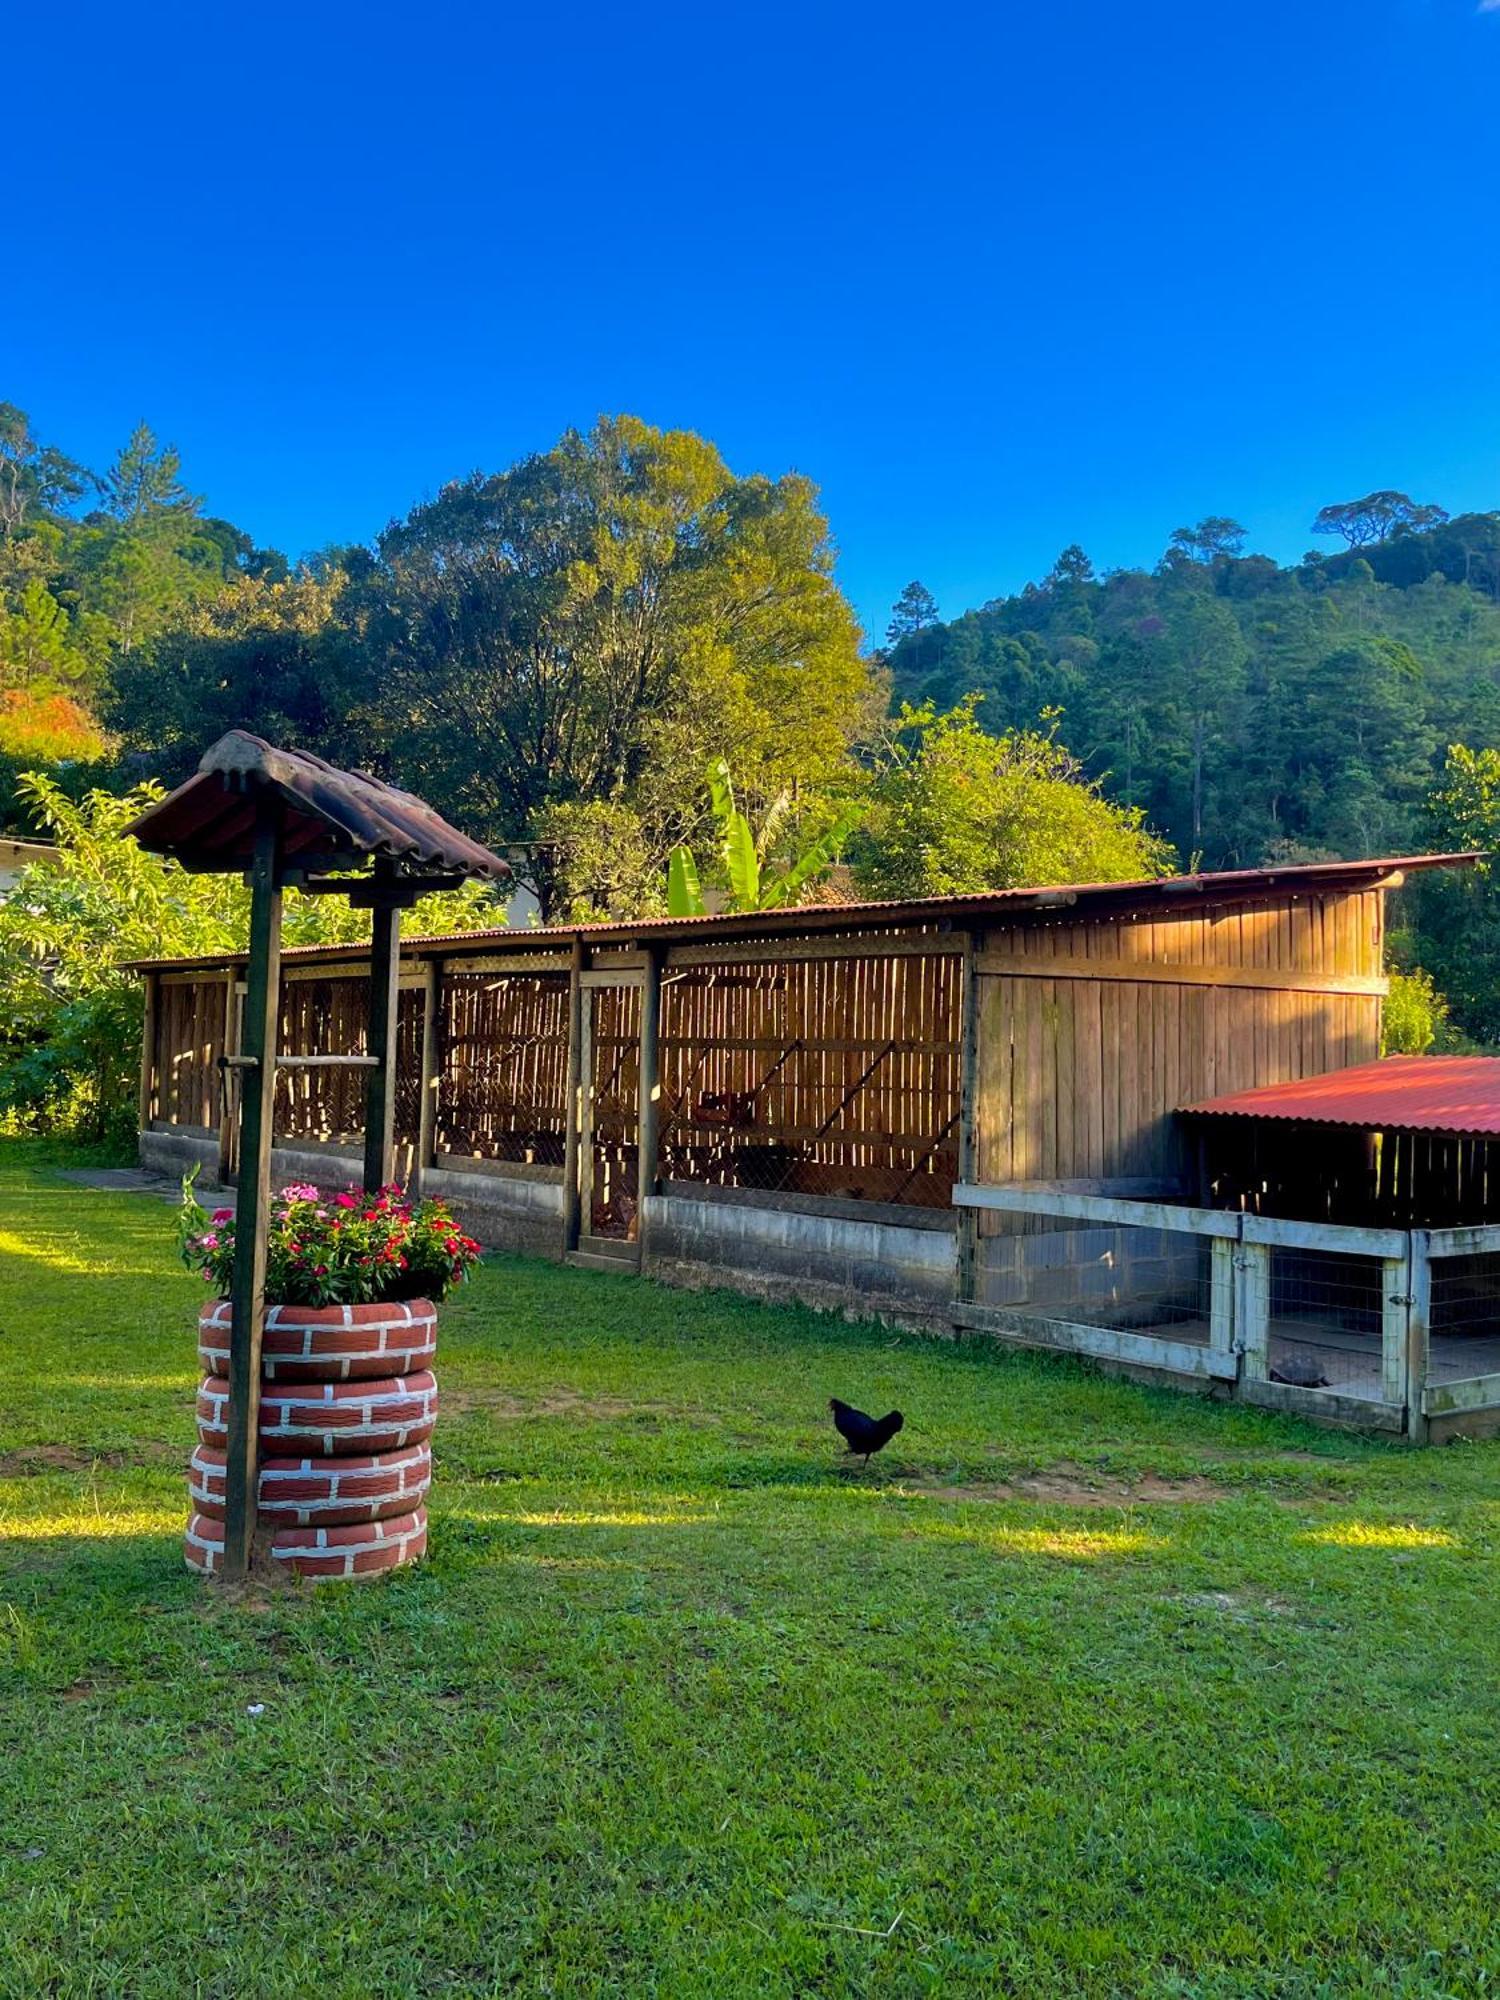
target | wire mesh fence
[
  {"x": 1133, "y": 1278},
  {"x": 503, "y": 1066},
  {"x": 1327, "y": 1312},
  {"x": 1464, "y": 1337}
]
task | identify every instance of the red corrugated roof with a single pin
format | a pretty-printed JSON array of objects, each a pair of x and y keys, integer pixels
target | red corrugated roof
[{"x": 1459, "y": 1095}]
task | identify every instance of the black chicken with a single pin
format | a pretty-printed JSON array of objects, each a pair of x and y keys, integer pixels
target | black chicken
[{"x": 862, "y": 1433}]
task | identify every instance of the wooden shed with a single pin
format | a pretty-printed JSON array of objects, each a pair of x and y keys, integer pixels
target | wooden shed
[{"x": 814, "y": 1102}]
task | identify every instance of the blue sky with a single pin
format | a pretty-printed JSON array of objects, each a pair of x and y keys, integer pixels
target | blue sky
[{"x": 997, "y": 277}]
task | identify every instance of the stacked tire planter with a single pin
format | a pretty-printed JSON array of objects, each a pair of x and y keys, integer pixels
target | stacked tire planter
[{"x": 348, "y": 1402}]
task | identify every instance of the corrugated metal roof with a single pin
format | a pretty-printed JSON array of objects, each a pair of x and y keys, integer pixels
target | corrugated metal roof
[
  {"x": 1458, "y": 1095},
  {"x": 1145, "y": 899},
  {"x": 331, "y": 816}
]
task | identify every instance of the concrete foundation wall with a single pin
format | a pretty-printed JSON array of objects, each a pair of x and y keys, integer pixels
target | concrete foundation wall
[
  {"x": 512, "y": 1213},
  {"x": 825, "y": 1261}
]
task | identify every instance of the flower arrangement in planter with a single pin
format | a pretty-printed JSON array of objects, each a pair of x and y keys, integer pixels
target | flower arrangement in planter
[
  {"x": 349, "y": 1248},
  {"x": 348, "y": 1398}
]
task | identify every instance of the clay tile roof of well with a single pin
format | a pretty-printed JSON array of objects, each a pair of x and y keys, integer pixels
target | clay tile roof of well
[
  {"x": 330, "y": 816},
  {"x": 1456, "y": 1095}
]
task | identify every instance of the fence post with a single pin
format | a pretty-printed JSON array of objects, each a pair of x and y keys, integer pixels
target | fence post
[
  {"x": 648, "y": 1113},
  {"x": 1221, "y": 1314},
  {"x": 1395, "y": 1324},
  {"x": 573, "y": 1096},
  {"x": 966, "y": 1248},
  {"x": 431, "y": 1076},
  {"x": 1252, "y": 1309},
  {"x": 149, "y": 1097},
  {"x": 1418, "y": 1332}
]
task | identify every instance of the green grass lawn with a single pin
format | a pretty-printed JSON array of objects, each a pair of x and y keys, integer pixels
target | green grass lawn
[{"x": 1086, "y": 1688}]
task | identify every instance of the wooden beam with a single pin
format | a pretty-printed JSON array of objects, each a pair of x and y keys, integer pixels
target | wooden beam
[
  {"x": 1103, "y": 1343},
  {"x": 380, "y": 1098},
  {"x": 1252, "y": 1310},
  {"x": 1476, "y": 1392},
  {"x": 1114, "y": 971},
  {"x": 649, "y": 1116},
  {"x": 231, "y": 1048},
  {"x": 573, "y": 1098},
  {"x": 907, "y": 944},
  {"x": 968, "y": 1135},
  {"x": 431, "y": 1078},
  {"x": 1419, "y": 1336},
  {"x": 1100, "y": 1208},
  {"x": 148, "y": 1099},
  {"x": 248, "y": 1282}
]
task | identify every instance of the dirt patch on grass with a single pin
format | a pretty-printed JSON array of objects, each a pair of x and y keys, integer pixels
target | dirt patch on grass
[
  {"x": 555, "y": 1403},
  {"x": 1075, "y": 1486},
  {"x": 30, "y": 1459}
]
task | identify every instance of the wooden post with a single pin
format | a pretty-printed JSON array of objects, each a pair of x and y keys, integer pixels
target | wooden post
[
  {"x": 248, "y": 1285},
  {"x": 648, "y": 1116},
  {"x": 1252, "y": 1309},
  {"x": 1221, "y": 1295},
  {"x": 967, "y": 1246},
  {"x": 1418, "y": 1333},
  {"x": 385, "y": 971},
  {"x": 573, "y": 1099},
  {"x": 148, "y": 1100},
  {"x": 231, "y": 1047},
  {"x": 1395, "y": 1320},
  {"x": 427, "y": 1107}
]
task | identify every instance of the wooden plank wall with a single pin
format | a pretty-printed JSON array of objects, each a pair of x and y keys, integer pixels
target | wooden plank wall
[
  {"x": 1081, "y": 1066},
  {"x": 189, "y": 1041},
  {"x": 825, "y": 1075}
]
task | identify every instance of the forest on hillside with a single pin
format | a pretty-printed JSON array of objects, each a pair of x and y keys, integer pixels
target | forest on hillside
[{"x": 631, "y": 668}]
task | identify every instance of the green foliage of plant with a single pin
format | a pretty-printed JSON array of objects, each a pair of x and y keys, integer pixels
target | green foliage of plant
[
  {"x": 755, "y": 875},
  {"x": 957, "y": 811},
  {"x": 70, "y": 1018},
  {"x": 1414, "y": 1018},
  {"x": 335, "y": 1247},
  {"x": 1104, "y": 1692}
]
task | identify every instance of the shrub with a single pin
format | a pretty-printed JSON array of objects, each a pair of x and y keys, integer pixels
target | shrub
[{"x": 348, "y": 1248}]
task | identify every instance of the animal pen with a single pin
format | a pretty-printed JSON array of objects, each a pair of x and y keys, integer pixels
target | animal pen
[{"x": 1001, "y": 1114}]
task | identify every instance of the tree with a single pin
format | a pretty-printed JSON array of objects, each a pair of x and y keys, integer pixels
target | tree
[
  {"x": 1204, "y": 660},
  {"x": 1072, "y": 566},
  {"x": 1376, "y": 518},
  {"x": 914, "y": 610},
  {"x": 589, "y": 625},
  {"x": 954, "y": 810},
  {"x": 37, "y": 645},
  {"x": 1454, "y": 917},
  {"x": 1215, "y": 535},
  {"x": 35, "y": 479},
  {"x": 260, "y": 655},
  {"x": 143, "y": 555}
]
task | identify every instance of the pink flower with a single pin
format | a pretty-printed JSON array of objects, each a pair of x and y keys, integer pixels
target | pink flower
[
  {"x": 347, "y": 1200},
  {"x": 222, "y": 1215},
  {"x": 302, "y": 1191},
  {"x": 210, "y": 1241}
]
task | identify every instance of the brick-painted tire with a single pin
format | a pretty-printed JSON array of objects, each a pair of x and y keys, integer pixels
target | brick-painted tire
[
  {"x": 328, "y": 1343},
  {"x": 327, "y": 1419},
  {"x": 319, "y": 1492},
  {"x": 358, "y": 1551},
  {"x": 353, "y": 1552}
]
